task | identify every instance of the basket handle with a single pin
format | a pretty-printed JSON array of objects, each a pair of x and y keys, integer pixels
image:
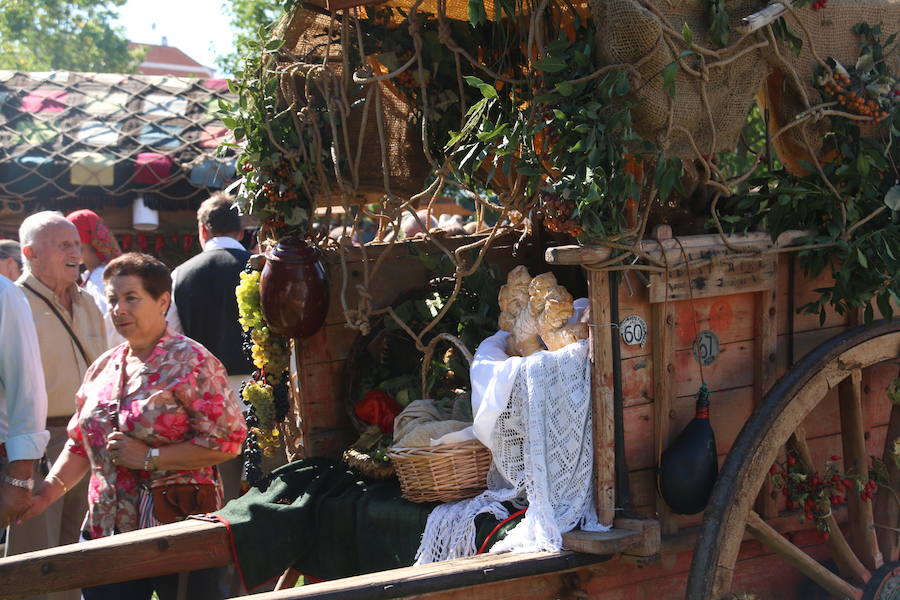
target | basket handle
[{"x": 429, "y": 351}]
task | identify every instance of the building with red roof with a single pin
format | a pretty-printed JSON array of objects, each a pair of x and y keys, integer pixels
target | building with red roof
[{"x": 167, "y": 60}]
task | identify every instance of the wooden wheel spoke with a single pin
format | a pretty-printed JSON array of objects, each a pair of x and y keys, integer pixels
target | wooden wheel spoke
[
  {"x": 856, "y": 462},
  {"x": 887, "y": 503},
  {"x": 848, "y": 564},
  {"x": 804, "y": 563}
]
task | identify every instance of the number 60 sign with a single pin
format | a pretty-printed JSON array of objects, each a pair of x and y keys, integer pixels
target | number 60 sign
[{"x": 633, "y": 330}]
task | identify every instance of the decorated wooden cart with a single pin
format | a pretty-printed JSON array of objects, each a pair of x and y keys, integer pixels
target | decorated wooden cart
[{"x": 596, "y": 141}]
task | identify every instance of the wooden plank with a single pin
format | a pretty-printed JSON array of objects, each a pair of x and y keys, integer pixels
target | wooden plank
[
  {"x": 651, "y": 538},
  {"x": 663, "y": 326},
  {"x": 765, "y": 350},
  {"x": 602, "y": 397},
  {"x": 731, "y": 318},
  {"x": 805, "y": 287},
  {"x": 587, "y": 255},
  {"x": 729, "y": 410},
  {"x": 856, "y": 460},
  {"x": 720, "y": 278},
  {"x": 601, "y": 543},
  {"x": 184, "y": 546},
  {"x": 331, "y": 343},
  {"x": 436, "y": 577},
  {"x": 636, "y": 537},
  {"x": 799, "y": 559}
]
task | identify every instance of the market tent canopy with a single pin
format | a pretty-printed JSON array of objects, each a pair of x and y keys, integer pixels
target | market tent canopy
[{"x": 93, "y": 139}]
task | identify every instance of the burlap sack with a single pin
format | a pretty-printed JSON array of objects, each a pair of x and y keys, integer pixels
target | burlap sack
[
  {"x": 306, "y": 40},
  {"x": 627, "y": 32},
  {"x": 831, "y": 35}
]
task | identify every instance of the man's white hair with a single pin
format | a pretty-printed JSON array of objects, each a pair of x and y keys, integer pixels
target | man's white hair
[{"x": 34, "y": 224}]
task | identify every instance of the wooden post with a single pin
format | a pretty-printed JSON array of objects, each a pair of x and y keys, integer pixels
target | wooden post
[
  {"x": 856, "y": 460},
  {"x": 602, "y": 397},
  {"x": 662, "y": 317},
  {"x": 764, "y": 366}
]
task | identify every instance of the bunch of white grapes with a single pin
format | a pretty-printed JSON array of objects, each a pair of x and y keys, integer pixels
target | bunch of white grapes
[
  {"x": 249, "y": 308},
  {"x": 270, "y": 352},
  {"x": 260, "y": 397}
]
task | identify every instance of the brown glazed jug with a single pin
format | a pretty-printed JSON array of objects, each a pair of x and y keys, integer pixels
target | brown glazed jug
[{"x": 294, "y": 288}]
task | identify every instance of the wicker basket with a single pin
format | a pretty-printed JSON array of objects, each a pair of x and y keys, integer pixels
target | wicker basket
[
  {"x": 442, "y": 473},
  {"x": 367, "y": 466}
]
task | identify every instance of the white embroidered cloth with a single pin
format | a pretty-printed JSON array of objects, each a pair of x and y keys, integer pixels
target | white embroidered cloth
[{"x": 534, "y": 413}]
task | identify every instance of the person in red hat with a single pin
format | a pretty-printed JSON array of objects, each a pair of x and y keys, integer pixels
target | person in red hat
[{"x": 98, "y": 247}]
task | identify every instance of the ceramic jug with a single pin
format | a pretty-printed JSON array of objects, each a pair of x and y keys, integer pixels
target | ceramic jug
[{"x": 294, "y": 288}]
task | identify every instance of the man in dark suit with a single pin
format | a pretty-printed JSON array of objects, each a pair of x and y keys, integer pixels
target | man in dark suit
[{"x": 204, "y": 306}]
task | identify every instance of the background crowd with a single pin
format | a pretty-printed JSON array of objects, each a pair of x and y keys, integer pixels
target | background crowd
[{"x": 118, "y": 388}]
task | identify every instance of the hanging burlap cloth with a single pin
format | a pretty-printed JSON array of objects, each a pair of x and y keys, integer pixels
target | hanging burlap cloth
[
  {"x": 539, "y": 433},
  {"x": 359, "y": 144},
  {"x": 628, "y": 31},
  {"x": 832, "y": 35}
]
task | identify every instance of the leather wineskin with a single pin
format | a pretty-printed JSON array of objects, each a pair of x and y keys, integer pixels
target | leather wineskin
[
  {"x": 688, "y": 467},
  {"x": 294, "y": 289}
]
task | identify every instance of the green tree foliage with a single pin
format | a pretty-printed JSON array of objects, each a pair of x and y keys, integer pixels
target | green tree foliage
[
  {"x": 251, "y": 20},
  {"x": 74, "y": 35}
]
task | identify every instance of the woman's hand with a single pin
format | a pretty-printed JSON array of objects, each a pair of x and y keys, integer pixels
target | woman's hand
[
  {"x": 42, "y": 497},
  {"x": 126, "y": 451}
]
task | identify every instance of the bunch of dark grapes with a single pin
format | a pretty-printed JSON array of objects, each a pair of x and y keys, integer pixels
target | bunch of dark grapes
[
  {"x": 252, "y": 454},
  {"x": 282, "y": 402},
  {"x": 558, "y": 214}
]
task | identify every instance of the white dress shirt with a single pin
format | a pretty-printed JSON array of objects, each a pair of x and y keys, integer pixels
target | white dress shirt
[
  {"x": 216, "y": 243},
  {"x": 23, "y": 397}
]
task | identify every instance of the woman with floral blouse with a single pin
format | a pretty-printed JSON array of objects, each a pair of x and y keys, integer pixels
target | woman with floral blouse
[{"x": 153, "y": 411}]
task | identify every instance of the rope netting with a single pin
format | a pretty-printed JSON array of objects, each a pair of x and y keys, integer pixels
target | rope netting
[
  {"x": 99, "y": 136},
  {"x": 370, "y": 109}
]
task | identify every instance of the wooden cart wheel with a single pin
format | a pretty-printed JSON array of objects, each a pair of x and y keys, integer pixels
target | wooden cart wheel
[{"x": 867, "y": 569}]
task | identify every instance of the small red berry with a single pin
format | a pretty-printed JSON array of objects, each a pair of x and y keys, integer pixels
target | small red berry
[{"x": 792, "y": 460}]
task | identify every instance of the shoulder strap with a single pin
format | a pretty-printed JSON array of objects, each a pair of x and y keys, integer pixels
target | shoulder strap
[{"x": 62, "y": 320}]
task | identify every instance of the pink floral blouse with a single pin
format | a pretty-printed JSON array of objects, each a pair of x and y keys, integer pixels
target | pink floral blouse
[{"x": 181, "y": 394}]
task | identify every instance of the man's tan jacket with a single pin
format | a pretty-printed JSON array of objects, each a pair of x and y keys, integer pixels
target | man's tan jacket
[{"x": 63, "y": 363}]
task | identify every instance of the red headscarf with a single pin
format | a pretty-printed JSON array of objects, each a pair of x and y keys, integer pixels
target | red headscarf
[{"x": 94, "y": 233}]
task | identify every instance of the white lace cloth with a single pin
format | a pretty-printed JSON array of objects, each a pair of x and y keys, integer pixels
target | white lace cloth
[{"x": 534, "y": 413}]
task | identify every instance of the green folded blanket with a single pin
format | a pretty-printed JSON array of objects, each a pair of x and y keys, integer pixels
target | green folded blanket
[{"x": 328, "y": 522}]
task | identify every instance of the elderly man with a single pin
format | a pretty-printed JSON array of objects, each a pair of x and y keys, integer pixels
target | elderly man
[
  {"x": 204, "y": 306},
  {"x": 10, "y": 259},
  {"x": 23, "y": 401},
  {"x": 71, "y": 336}
]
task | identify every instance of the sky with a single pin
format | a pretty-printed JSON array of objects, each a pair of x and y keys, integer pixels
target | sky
[{"x": 199, "y": 28}]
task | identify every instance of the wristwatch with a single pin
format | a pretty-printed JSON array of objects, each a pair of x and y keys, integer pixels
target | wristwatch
[
  {"x": 151, "y": 459},
  {"x": 22, "y": 483}
]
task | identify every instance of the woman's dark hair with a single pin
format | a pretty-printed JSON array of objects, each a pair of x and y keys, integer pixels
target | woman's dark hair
[{"x": 154, "y": 275}]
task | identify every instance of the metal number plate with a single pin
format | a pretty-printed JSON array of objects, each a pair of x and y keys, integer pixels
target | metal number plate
[
  {"x": 633, "y": 331},
  {"x": 706, "y": 347}
]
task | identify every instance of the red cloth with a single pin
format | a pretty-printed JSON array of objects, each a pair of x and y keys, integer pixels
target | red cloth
[
  {"x": 152, "y": 167},
  {"x": 94, "y": 233}
]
